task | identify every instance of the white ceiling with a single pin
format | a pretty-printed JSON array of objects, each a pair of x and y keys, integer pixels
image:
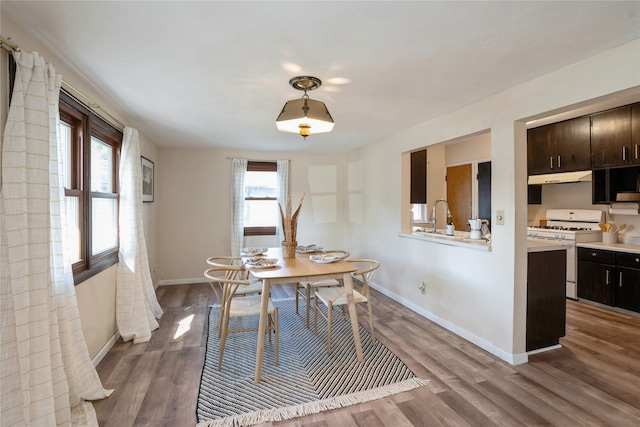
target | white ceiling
[{"x": 215, "y": 73}]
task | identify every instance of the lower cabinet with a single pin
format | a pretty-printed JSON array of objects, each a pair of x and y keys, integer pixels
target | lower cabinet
[
  {"x": 610, "y": 278},
  {"x": 628, "y": 281},
  {"x": 546, "y": 298}
]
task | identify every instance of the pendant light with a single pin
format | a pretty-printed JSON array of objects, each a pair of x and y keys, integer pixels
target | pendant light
[{"x": 304, "y": 116}]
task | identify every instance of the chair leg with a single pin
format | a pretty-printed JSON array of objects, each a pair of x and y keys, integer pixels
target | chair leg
[
  {"x": 277, "y": 338},
  {"x": 222, "y": 308},
  {"x": 224, "y": 327},
  {"x": 269, "y": 326},
  {"x": 369, "y": 309},
  {"x": 297, "y": 298},
  {"x": 315, "y": 315},
  {"x": 329, "y": 325},
  {"x": 308, "y": 293}
]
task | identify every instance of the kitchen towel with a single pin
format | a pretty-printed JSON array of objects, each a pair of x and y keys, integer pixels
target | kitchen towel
[{"x": 624, "y": 209}]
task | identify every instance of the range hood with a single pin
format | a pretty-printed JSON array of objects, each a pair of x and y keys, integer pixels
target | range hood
[{"x": 558, "y": 178}]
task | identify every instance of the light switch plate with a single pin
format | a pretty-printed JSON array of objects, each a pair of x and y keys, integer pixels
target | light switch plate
[{"x": 499, "y": 217}]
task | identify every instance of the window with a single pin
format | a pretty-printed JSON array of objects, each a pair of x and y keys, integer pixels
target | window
[
  {"x": 261, "y": 213},
  {"x": 91, "y": 159}
]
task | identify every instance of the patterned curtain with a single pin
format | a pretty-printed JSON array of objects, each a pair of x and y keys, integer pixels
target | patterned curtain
[
  {"x": 283, "y": 192},
  {"x": 45, "y": 369},
  {"x": 238, "y": 169},
  {"x": 137, "y": 307}
]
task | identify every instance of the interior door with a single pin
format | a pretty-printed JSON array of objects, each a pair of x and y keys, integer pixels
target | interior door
[{"x": 459, "y": 195}]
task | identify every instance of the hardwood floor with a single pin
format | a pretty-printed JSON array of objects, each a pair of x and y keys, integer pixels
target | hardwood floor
[{"x": 593, "y": 380}]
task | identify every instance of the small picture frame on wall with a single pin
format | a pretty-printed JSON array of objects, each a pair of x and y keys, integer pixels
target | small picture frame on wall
[{"x": 147, "y": 179}]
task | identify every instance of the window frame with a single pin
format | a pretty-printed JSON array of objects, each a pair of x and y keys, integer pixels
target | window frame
[
  {"x": 263, "y": 166},
  {"x": 86, "y": 125}
]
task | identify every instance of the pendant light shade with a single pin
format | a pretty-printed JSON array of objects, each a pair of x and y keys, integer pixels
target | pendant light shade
[{"x": 304, "y": 116}]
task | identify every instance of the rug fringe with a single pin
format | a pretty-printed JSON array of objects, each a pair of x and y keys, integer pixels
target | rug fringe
[{"x": 289, "y": 412}]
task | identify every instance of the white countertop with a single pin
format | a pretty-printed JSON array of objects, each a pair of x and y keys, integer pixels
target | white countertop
[
  {"x": 460, "y": 238},
  {"x": 616, "y": 247},
  {"x": 543, "y": 246}
]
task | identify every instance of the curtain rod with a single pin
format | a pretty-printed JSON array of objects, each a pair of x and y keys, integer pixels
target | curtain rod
[{"x": 71, "y": 90}]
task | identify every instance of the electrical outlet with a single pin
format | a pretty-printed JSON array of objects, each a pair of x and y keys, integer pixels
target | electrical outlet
[
  {"x": 421, "y": 286},
  {"x": 499, "y": 217}
]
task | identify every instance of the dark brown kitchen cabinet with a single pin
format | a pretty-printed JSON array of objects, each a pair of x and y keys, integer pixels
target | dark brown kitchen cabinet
[
  {"x": 608, "y": 183},
  {"x": 418, "y": 192},
  {"x": 635, "y": 133},
  {"x": 611, "y": 278},
  {"x": 596, "y": 271},
  {"x": 546, "y": 298},
  {"x": 628, "y": 281},
  {"x": 559, "y": 147},
  {"x": 615, "y": 137}
]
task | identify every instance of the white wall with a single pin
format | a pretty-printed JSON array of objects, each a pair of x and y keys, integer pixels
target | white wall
[
  {"x": 578, "y": 196},
  {"x": 193, "y": 196},
  {"x": 480, "y": 295}
]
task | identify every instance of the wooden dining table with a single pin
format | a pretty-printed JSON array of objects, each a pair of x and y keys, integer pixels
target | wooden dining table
[{"x": 302, "y": 269}]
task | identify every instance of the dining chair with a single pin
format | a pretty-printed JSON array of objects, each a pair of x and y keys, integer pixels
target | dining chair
[
  {"x": 249, "y": 305},
  {"x": 304, "y": 289},
  {"x": 337, "y": 296},
  {"x": 255, "y": 286}
]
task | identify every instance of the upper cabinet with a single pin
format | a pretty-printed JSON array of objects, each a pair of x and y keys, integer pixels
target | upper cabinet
[
  {"x": 418, "y": 192},
  {"x": 559, "y": 147},
  {"x": 615, "y": 137}
]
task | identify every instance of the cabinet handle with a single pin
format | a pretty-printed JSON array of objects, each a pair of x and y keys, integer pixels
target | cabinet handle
[
  {"x": 606, "y": 278},
  {"x": 551, "y": 162},
  {"x": 594, "y": 254},
  {"x": 620, "y": 282},
  {"x": 559, "y": 165},
  {"x": 636, "y": 150},
  {"x": 624, "y": 153}
]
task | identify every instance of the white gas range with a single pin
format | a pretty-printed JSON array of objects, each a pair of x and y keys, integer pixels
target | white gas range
[{"x": 569, "y": 226}]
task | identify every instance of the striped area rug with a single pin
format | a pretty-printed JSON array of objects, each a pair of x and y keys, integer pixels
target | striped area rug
[{"x": 307, "y": 380}]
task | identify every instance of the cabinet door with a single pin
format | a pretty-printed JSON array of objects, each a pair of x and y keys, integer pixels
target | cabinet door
[
  {"x": 596, "y": 282},
  {"x": 635, "y": 133},
  {"x": 628, "y": 289},
  {"x": 611, "y": 138},
  {"x": 546, "y": 298},
  {"x": 573, "y": 144},
  {"x": 541, "y": 150}
]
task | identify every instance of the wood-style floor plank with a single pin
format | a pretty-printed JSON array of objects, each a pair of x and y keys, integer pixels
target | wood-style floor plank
[{"x": 593, "y": 380}]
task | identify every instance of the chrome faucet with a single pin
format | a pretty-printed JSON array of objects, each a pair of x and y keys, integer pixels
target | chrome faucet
[{"x": 432, "y": 217}]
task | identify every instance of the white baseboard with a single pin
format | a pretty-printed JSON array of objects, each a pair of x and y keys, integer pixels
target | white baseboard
[
  {"x": 542, "y": 350},
  {"x": 181, "y": 281},
  {"x": 513, "y": 359},
  {"x": 105, "y": 349}
]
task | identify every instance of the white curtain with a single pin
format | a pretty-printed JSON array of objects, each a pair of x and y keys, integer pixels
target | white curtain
[
  {"x": 283, "y": 192},
  {"x": 137, "y": 307},
  {"x": 238, "y": 169},
  {"x": 46, "y": 374}
]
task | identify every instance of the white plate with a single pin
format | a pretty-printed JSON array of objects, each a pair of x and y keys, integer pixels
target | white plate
[
  {"x": 252, "y": 251},
  {"x": 323, "y": 259},
  {"x": 260, "y": 267},
  {"x": 261, "y": 262},
  {"x": 308, "y": 249}
]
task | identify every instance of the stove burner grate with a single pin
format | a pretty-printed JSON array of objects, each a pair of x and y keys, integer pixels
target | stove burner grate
[{"x": 561, "y": 228}]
